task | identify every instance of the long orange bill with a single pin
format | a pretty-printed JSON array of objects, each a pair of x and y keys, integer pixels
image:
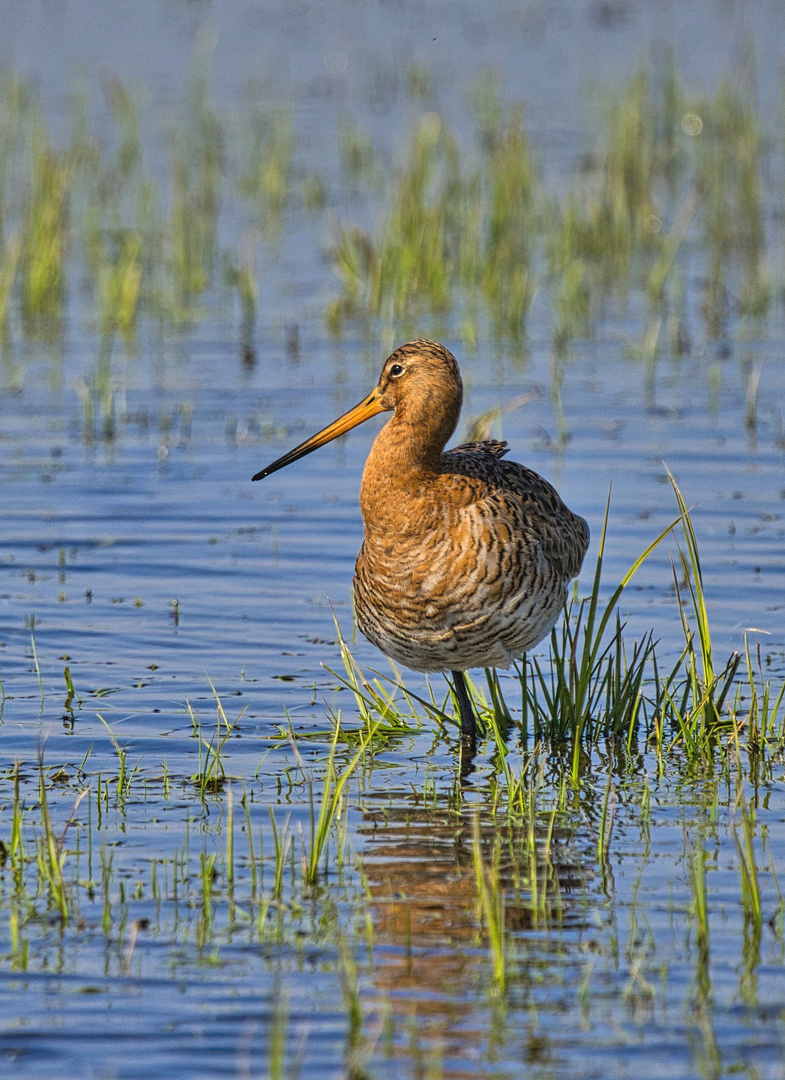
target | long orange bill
[{"x": 367, "y": 408}]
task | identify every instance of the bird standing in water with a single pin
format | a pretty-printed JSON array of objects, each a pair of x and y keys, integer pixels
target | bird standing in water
[{"x": 466, "y": 557}]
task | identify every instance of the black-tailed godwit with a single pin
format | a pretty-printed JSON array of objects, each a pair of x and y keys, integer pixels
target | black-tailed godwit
[{"x": 466, "y": 557}]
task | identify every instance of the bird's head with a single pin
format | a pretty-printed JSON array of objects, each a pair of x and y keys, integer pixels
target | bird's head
[{"x": 420, "y": 382}]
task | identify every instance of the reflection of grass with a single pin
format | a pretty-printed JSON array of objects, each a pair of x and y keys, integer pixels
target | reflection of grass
[
  {"x": 699, "y": 906},
  {"x": 748, "y": 867},
  {"x": 491, "y": 902},
  {"x": 524, "y": 881}
]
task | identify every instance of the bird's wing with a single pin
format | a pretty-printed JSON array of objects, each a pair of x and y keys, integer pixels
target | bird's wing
[
  {"x": 517, "y": 502},
  {"x": 487, "y": 446}
]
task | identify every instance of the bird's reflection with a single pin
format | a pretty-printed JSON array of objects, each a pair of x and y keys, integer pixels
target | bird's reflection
[{"x": 431, "y": 952}]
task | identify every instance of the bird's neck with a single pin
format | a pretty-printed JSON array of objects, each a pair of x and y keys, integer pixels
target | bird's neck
[{"x": 405, "y": 458}]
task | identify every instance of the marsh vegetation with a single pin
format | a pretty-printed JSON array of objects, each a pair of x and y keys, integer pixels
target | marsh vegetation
[{"x": 284, "y": 863}]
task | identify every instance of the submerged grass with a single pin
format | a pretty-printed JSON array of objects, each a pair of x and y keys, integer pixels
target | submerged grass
[
  {"x": 344, "y": 877},
  {"x": 331, "y": 804},
  {"x": 670, "y": 176},
  {"x": 471, "y": 233}
]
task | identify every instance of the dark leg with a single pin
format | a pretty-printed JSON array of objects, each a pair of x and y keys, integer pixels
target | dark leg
[{"x": 468, "y": 721}]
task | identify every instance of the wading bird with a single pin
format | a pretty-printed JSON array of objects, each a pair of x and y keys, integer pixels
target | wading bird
[{"x": 466, "y": 557}]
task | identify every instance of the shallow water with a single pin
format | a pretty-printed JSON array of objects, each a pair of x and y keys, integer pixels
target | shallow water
[{"x": 383, "y": 967}]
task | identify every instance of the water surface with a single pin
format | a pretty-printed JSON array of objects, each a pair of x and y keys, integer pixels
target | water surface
[{"x": 151, "y": 567}]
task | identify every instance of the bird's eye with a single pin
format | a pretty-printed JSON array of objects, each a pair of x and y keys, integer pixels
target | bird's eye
[{"x": 396, "y": 370}]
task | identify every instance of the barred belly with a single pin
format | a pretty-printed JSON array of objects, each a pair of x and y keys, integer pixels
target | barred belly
[{"x": 432, "y": 610}]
